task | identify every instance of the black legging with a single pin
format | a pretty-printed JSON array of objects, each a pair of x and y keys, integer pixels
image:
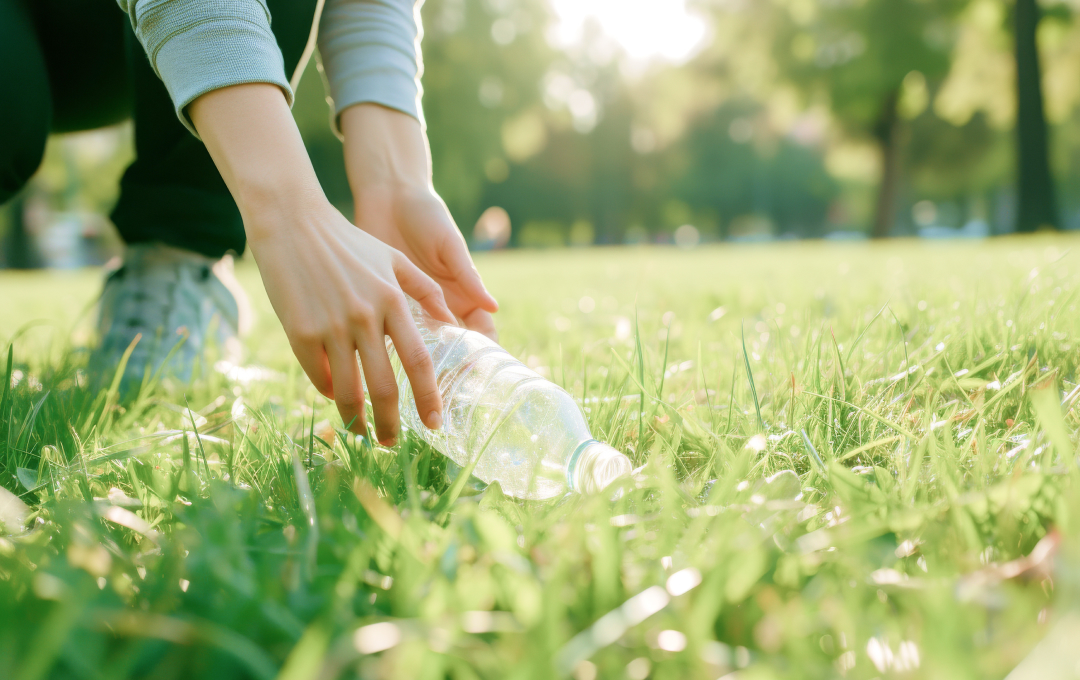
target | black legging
[{"x": 69, "y": 65}]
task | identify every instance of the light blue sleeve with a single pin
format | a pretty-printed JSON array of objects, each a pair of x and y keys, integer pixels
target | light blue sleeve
[
  {"x": 196, "y": 46},
  {"x": 370, "y": 52}
]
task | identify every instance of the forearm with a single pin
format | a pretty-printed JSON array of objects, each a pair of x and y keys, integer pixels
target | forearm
[{"x": 253, "y": 139}]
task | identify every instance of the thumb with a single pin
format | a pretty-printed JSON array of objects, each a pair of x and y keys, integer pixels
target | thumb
[
  {"x": 464, "y": 272},
  {"x": 420, "y": 287}
]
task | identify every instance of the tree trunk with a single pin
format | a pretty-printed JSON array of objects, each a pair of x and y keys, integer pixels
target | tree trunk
[
  {"x": 18, "y": 251},
  {"x": 1037, "y": 207},
  {"x": 888, "y": 133}
]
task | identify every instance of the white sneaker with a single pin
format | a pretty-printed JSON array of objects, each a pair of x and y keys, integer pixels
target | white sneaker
[{"x": 175, "y": 300}]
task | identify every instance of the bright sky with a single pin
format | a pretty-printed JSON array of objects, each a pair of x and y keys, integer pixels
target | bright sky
[{"x": 645, "y": 29}]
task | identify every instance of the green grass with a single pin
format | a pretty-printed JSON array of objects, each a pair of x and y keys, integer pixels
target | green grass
[{"x": 841, "y": 452}]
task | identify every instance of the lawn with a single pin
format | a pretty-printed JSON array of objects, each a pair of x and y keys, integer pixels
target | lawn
[{"x": 852, "y": 460}]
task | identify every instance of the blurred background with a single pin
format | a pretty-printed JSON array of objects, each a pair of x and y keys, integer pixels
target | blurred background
[{"x": 578, "y": 122}]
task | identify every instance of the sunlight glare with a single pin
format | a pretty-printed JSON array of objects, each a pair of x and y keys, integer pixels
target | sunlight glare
[{"x": 644, "y": 29}]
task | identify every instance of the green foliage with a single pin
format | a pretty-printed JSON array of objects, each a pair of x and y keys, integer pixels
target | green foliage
[
  {"x": 725, "y": 176},
  {"x": 860, "y": 53},
  {"x": 775, "y": 128},
  {"x": 840, "y": 490},
  {"x": 499, "y": 136}
]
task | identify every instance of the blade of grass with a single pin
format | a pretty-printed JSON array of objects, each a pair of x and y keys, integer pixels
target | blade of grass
[
  {"x": 641, "y": 380},
  {"x": 862, "y": 334},
  {"x": 198, "y": 439},
  {"x": 816, "y": 458},
  {"x": 307, "y": 505},
  {"x": 750, "y": 377},
  {"x": 884, "y": 421},
  {"x": 5, "y": 409}
]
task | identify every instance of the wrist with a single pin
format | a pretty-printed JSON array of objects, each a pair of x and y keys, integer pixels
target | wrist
[
  {"x": 272, "y": 213},
  {"x": 266, "y": 191},
  {"x": 384, "y": 147}
]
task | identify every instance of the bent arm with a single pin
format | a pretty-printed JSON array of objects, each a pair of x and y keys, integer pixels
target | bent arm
[{"x": 336, "y": 289}]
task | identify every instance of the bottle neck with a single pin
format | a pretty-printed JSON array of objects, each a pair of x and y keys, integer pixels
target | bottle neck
[
  {"x": 572, "y": 467},
  {"x": 594, "y": 465}
]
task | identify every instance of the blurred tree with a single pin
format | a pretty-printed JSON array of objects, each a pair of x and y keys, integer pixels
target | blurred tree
[
  {"x": 1037, "y": 208},
  {"x": 968, "y": 163},
  {"x": 19, "y": 250},
  {"x": 575, "y": 135},
  {"x": 484, "y": 65},
  {"x": 564, "y": 136},
  {"x": 865, "y": 59},
  {"x": 581, "y": 144},
  {"x": 733, "y": 167},
  {"x": 961, "y": 142}
]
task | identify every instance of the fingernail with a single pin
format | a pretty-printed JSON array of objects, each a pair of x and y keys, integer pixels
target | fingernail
[
  {"x": 434, "y": 420},
  {"x": 388, "y": 442}
]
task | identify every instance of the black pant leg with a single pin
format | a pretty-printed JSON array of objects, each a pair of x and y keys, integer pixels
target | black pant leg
[
  {"x": 83, "y": 45},
  {"x": 26, "y": 109},
  {"x": 62, "y": 69},
  {"x": 173, "y": 193}
]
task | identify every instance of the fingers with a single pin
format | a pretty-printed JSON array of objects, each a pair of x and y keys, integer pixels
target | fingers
[
  {"x": 420, "y": 287},
  {"x": 481, "y": 321},
  {"x": 348, "y": 392},
  {"x": 382, "y": 387},
  {"x": 461, "y": 266},
  {"x": 416, "y": 361},
  {"x": 312, "y": 358}
]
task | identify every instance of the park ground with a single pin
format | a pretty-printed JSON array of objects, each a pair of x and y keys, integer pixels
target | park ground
[{"x": 851, "y": 460}]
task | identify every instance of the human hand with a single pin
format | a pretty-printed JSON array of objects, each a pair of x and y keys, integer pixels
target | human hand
[
  {"x": 339, "y": 291},
  {"x": 417, "y": 223},
  {"x": 336, "y": 289},
  {"x": 389, "y": 170}
]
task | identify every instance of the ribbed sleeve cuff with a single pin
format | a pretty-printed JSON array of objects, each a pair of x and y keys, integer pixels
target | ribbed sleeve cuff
[
  {"x": 370, "y": 54},
  {"x": 386, "y": 86},
  {"x": 197, "y": 46}
]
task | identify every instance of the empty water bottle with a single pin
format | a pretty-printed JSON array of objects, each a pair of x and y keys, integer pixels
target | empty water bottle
[{"x": 527, "y": 433}]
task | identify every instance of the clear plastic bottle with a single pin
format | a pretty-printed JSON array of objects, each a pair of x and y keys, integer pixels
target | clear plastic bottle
[{"x": 530, "y": 434}]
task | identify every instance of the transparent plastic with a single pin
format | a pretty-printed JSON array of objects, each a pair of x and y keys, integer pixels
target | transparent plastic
[{"x": 529, "y": 434}]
